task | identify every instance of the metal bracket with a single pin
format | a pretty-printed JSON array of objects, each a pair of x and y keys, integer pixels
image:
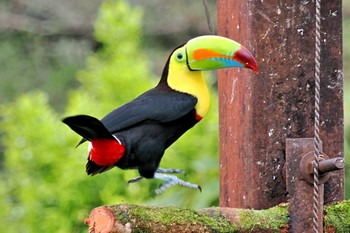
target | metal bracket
[{"x": 299, "y": 180}]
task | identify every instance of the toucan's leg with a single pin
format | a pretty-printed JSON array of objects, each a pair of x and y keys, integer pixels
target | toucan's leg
[
  {"x": 159, "y": 170},
  {"x": 171, "y": 181},
  {"x": 136, "y": 179},
  {"x": 169, "y": 171}
]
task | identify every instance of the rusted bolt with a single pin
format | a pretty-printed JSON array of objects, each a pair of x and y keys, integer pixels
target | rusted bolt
[
  {"x": 329, "y": 165},
  {"x": 325, "y": 166}
]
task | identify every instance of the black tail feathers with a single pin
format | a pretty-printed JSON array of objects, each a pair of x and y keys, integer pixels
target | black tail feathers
[
  {"x": 88, "y": 127},
  {"x": 93, "y": 169}
]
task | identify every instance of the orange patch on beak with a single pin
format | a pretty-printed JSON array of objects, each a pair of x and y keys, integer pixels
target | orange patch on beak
[{"x": 202, "y": 54}]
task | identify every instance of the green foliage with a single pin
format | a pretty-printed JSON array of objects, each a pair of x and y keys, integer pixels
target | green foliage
[
  {"x": 30, "y": 61},
  {"x": 116, "y": 73},
  {"x": 37, "y": 188},
  {"x": 43, "y": 184}
]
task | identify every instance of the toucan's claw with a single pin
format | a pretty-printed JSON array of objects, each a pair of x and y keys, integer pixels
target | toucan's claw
[
  {"x": 170, "y": 171},
  {"x": 171, "y": 181}
]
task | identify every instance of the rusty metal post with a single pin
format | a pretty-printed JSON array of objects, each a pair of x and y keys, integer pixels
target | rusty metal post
[
  {"x": 300, "y": 191},
  {"x": 299, "y": 178},
  {"x": 258, "y": 112}
]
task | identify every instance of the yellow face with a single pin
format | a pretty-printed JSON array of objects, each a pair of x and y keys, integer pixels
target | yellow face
[{"x": 181, "y": 78}]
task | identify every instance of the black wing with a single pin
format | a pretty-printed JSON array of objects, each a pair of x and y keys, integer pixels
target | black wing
[{"x": 163, "y": 105}]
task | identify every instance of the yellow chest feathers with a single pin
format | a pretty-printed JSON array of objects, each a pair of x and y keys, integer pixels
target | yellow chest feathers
[{"x": 180, "y": 78}]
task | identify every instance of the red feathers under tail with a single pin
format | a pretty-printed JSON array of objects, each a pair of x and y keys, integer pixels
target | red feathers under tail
[{"x": 104, "y": 149}]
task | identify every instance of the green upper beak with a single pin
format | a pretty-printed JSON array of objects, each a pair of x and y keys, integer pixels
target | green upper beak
[{"x": 216, "y": 52}]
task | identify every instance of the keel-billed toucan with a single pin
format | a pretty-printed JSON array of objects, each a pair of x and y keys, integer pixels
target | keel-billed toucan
[{"x": 136, "y": 135}]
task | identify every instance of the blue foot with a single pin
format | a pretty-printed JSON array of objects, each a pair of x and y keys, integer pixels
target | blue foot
[
  {"x": 169, "y": 171},
  {"x": 159, "y": 170},
  {"x": 171, "y": 181}
]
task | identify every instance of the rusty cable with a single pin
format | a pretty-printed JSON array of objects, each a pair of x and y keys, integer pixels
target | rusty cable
[{"x": 316, "y": 210}]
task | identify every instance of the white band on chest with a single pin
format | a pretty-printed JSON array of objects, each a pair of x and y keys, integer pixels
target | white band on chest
[
  {"x": 90, "y": 144},
  {"x": 117, "y": 139}
]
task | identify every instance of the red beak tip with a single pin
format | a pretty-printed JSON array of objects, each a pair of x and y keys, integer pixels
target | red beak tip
[
  {"x": 252, "y": 66},
  {"x": 244, "y": 55}
]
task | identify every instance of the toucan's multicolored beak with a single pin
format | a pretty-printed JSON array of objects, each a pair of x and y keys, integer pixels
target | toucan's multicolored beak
[{"x": 216, "y": 52}]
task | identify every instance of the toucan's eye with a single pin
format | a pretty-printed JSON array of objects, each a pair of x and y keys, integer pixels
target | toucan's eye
[{"x": 179, "y": 57}]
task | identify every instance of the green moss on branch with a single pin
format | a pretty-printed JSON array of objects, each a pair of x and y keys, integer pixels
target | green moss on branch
[
  {"x": 136, "y": 218},
  {"x": 337, "y": 216}
]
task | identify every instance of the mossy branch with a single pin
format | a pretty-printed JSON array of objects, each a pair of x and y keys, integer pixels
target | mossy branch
[{"x": 135, "y": 218}]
